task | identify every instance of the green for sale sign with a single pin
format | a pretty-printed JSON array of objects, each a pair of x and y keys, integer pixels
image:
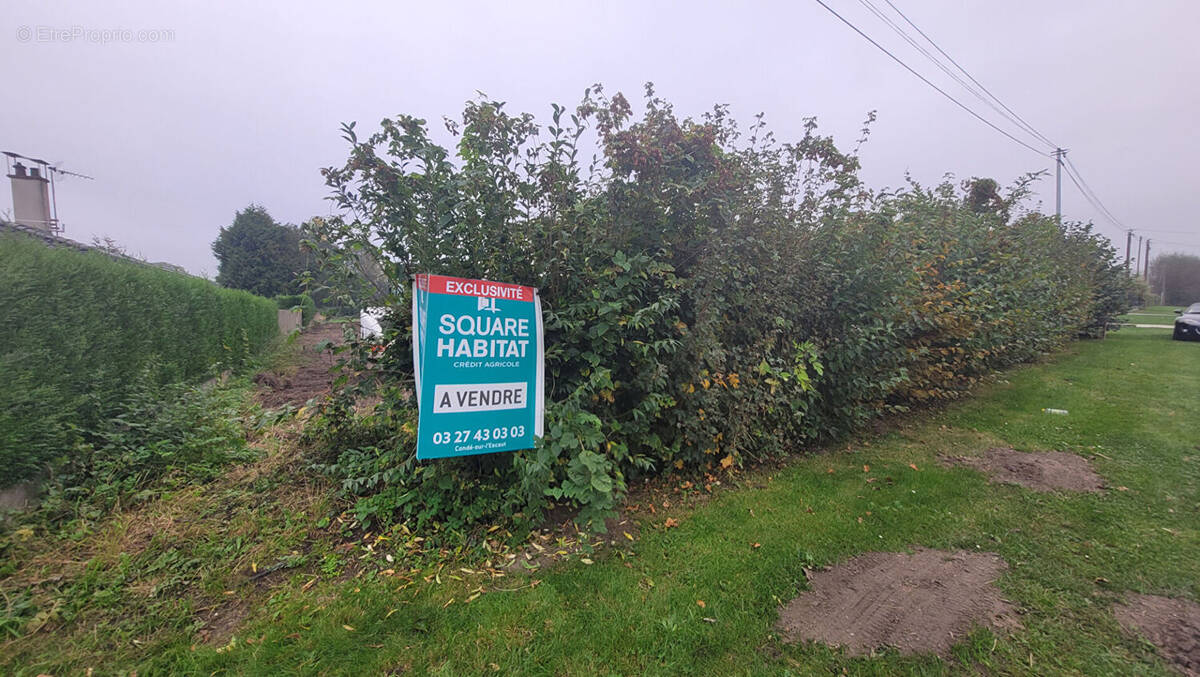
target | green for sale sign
[{"x": 477, "y": 347}]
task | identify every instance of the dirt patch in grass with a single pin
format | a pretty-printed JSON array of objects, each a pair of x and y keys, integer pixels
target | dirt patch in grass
[
  {"x": 222, "y": 622},
  {"x": 918, "y": 603},
  {"x": 1041, "y": 471},
  {"x": 309, "y": 377},
  {"x": 1172, "y": 625}
]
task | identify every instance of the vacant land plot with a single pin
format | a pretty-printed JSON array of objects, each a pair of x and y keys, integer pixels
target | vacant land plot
[{"x": 700, "y": 588}]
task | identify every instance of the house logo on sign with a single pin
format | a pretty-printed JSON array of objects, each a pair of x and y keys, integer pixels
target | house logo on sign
[{"x": 487, "y": 304}]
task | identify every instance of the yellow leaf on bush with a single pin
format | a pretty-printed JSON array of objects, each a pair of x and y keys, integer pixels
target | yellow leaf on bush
[{"x": 727, "y": 462}]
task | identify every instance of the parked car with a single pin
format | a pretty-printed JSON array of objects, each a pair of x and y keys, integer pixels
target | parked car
[{"x": 1187, "y": 325}]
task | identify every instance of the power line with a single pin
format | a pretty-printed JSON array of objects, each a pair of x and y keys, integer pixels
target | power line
[
  {"x": 1083, "y": 186},
  {"x": 922, "y": 78},
  {"x": 899, "y": 30},
  {"x": 932, "y": 59},
  {"x": 1021, "y": 121},
  {"x": 1170, "y": 232},
  {"x": 1007, "y": 113},
  {"x": 1093, "y": 197},
  {"x": 1090, "y": 200},
  {"x": 1094, "y": 202},
  {"x": 1178, "y": 244}
]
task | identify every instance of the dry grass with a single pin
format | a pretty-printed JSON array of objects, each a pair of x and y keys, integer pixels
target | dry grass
[{"x": 175, "y": 546}]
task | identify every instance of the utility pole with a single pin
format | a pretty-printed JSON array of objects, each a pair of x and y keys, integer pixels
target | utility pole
[
  {"x": 1058, "y": 167},
  {"x": 1128, "y": 242},
  {"x": 1146, "y": 274},
  {"x": 1162, "y": 296},
  {"x": 1138, "y": 261}
]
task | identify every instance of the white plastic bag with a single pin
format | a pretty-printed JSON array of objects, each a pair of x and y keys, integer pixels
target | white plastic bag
[{"x": 369, "y": 326}]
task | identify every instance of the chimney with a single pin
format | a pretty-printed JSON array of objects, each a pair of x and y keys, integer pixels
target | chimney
[{"x": 31, "y": 198}]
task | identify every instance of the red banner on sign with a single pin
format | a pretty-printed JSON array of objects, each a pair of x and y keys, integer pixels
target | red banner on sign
[{"x": 441, "y": 284}]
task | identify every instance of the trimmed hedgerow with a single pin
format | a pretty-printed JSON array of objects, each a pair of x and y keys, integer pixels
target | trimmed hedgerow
[
  {"x": 81, "y": 328},
  {"x": 712, "y": 297}
]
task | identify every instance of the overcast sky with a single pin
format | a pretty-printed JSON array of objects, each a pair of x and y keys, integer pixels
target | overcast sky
[{"x": 234, "y": 103}]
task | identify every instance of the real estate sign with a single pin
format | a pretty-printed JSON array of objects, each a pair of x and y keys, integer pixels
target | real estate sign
[{"x": 478, "y": 353}]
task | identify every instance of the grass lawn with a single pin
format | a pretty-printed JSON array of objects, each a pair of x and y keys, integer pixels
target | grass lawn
[
  {"x": 1134, "y": 402},
  {"x": 1151, "y": 315}
]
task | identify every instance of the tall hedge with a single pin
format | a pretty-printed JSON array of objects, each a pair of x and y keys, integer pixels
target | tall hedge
[
  {"x": 712, "y": 296},
  {"x": 78, "y": 329}
]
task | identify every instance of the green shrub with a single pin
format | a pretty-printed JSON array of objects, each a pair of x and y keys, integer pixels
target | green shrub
[
  {"x": 81, "y": 329},
  {"x": 307, "y": 307},
  {"x": 712, "y": 297},
  {"x": 183, "y": 430}
]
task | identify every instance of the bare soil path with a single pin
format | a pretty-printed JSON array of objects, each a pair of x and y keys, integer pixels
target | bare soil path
[{"x": 308, "y": 376}]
